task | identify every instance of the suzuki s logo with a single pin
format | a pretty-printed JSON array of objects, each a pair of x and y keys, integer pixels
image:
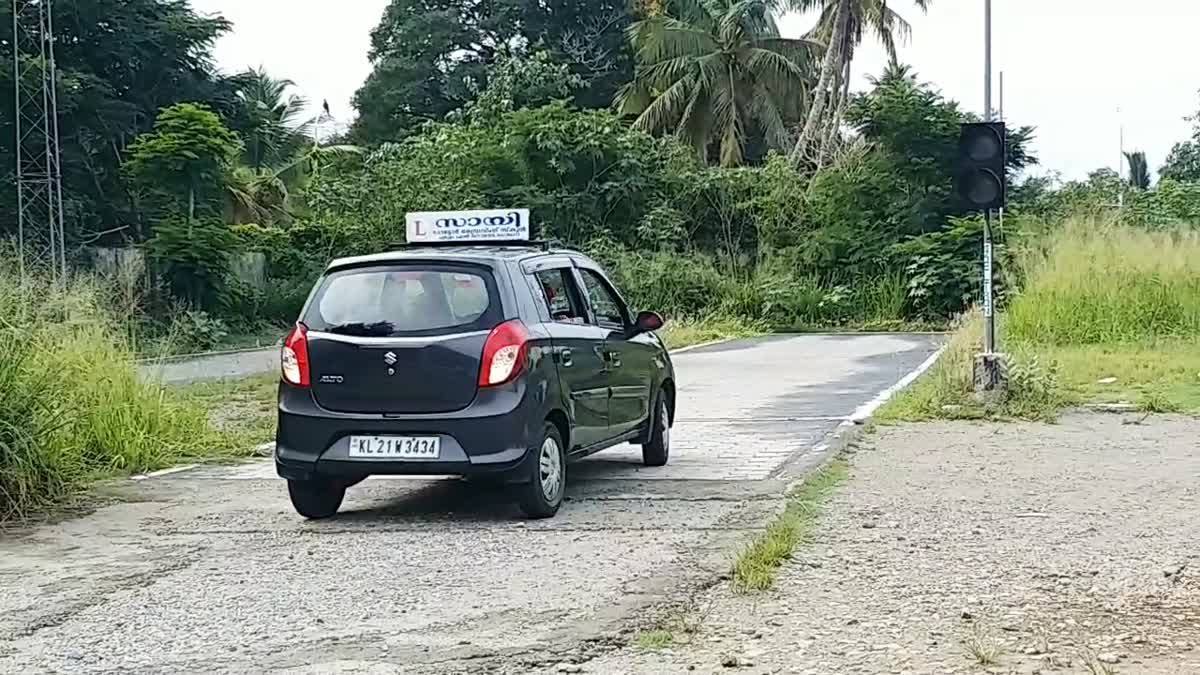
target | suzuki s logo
[{"x": 390, "y": 358}]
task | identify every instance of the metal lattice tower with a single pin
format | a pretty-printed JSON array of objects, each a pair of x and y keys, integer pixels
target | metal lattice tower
[{"x": 40, "y": 236}]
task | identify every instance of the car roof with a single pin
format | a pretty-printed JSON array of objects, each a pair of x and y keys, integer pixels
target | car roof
[{"x": 468, "y": 252}]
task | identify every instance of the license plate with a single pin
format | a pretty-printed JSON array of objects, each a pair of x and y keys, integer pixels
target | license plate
[{"x": 395, "y": 447}]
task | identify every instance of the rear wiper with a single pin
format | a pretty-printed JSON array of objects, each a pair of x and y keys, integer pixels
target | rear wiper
[{"x": 359, "y": 329}]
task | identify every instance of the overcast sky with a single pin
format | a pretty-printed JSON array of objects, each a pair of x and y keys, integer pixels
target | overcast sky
[{"x": 1069, "y": 65}]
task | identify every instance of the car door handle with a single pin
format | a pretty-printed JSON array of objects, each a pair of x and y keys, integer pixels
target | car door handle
[
  {"x": 564, "y": 357},
  {"x": 614, "y": 358}
]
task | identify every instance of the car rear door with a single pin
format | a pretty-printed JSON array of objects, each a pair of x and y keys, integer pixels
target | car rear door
[
  {"x": 401, "y": 338},
  {"x": 630, "y": 360},
  {"x": 578, "y": 350}
]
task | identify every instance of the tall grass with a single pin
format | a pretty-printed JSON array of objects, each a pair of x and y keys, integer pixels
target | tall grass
[
  {"x": 1095, "y": 282},
  {"x": 72, "y": 407},
  {"x": 1102, "y": 312}
]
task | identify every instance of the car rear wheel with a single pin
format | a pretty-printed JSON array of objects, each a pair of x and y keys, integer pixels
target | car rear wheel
[
  {"x": 542, "y": 494},
  {"x": 658, "y": 450},
  {"x": 316, "y": 499}
]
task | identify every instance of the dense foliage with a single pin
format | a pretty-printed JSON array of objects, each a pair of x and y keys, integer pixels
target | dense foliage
[
  {"x": 433, "y": 57},
  {"x": 717, "y": 166},
  {"x": 120, "y": 62}
]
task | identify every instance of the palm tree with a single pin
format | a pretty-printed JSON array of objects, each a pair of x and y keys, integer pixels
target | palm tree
[
  {"x": 714, "y": 71},
  {"x": 1139, "y": 170},
  {"x": 843, "y": 25},
  {"x": 271, "y": 127},
  {"x": 269, "y": 195}
]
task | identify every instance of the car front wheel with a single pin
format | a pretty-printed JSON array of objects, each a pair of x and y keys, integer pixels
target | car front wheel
[
  {"x": 316, "y": 499},
  {"x": 543, "y": 493}
]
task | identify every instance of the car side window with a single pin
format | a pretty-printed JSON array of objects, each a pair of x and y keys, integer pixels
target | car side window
[
  {"x": 561, "y": 296},
  {"x": 610, "y": 313}
]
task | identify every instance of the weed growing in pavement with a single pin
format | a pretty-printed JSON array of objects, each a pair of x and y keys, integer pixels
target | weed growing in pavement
[
  {"x": 654, "y": 640},
  {"x": 981, "y": 647},
  {"x": 1091, "y": 661},
  {"x": 757, "y": 565}
]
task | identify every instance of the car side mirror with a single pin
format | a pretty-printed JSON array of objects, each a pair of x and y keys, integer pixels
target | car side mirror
[{"x": 647, "y": 322}]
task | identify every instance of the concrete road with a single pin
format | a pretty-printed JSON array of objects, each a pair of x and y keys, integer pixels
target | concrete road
[
  {"x": 230, "y": 365},
  {"x": 209, "y": 570}
]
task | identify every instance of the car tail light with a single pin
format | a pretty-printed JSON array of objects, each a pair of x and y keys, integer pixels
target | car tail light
[
  {"x": 505, "y": 354},
  {"x": 294, "y": 357}
]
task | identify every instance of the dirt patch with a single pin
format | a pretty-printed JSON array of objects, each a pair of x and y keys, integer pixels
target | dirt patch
[{"x": 960, "y": 547}]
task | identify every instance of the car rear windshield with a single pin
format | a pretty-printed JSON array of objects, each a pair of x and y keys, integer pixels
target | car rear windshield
[{"x": 405, "y": 300}]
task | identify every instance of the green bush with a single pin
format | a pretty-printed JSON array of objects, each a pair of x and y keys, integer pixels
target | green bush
[
  {"x": 193, "y": 257},
  {"x": 72, "y": 406},
  {"x": 662, "y": 282},
  {"x": 278, "y": 302},
  {"x": 195, "y": 331}
]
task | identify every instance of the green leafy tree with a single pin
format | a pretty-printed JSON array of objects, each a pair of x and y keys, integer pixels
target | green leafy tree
[
  {"x": 119, "y": 63},
  {"x": 181, "y": 164},
  {"x": 516, "y": 82},
  {"x": 1183, "y": 163},
  {"x": 432, "y": 57},
  {"x": 715, "y": 74},
  {"x": 1139, "y": 170},
  {"x": 179, "y": 169}
]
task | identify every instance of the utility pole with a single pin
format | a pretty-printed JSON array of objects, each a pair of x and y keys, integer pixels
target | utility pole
[{"x": 1002, "y": 96}]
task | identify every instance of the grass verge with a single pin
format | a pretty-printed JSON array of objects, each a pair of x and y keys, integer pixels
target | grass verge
[
  {"x": 688, "y": 332},
  {"x": 244, "y": 409},
  {"x": 755, "y": 569},
  {"x": 1105, "y": 314},
  {"x": 73, "y": 409}
]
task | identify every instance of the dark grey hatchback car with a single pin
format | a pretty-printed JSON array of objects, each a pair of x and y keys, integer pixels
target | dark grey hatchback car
[{"x": 494, "y": 360}]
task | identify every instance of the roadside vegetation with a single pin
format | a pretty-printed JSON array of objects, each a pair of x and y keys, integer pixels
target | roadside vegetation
[
  {"x": 759, "y": 562},
  {"x": 72, "y": 407},
  {"x": 1102, "y": 312}
]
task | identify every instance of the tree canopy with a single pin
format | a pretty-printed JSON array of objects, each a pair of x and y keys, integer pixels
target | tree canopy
[
  {"x": 717, "y": 74},
  {"x": 120, "y": 62},
  {"x": 431, "y": 57}
]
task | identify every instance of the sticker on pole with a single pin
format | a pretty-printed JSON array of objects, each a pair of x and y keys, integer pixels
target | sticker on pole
[{"x": 435, "y": 227}]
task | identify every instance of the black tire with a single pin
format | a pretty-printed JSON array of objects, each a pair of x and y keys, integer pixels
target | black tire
[
  {"x": 539, "y": 497},
  {"x": 658, "y": 450},
  {"x": 316, "y": 499}
]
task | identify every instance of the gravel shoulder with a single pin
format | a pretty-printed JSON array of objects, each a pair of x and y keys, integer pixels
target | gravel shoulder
[{"x": 1046, "y": 548}]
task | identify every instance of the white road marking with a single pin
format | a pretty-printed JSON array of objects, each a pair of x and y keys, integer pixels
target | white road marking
[
  {"x": 864, "y": 411},
  {"x": 164, "y": 472},
  {"x": 689, "y": 348}
]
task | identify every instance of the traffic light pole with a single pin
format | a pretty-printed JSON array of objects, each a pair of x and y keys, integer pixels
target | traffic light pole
[
  {"x": 989, "y": 317},
  {"x": 990, "y": 373}
]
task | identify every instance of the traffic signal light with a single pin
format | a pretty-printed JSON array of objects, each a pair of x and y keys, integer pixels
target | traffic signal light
[{"x": 981, "y": 154}]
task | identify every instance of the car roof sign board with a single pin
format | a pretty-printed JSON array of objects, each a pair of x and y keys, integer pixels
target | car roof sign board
[{"x": 466, "y": 226}]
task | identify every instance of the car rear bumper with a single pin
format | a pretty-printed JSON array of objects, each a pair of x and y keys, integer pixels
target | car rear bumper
[{"x": 492, "y": 435}]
